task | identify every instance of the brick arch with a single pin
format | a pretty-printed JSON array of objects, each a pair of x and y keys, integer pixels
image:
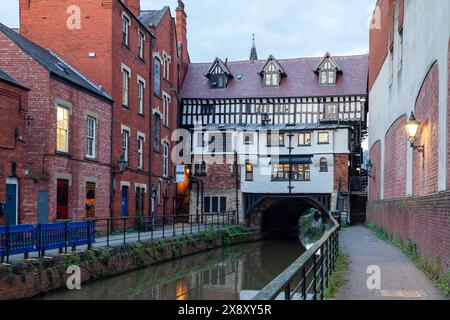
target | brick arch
[
  {"x": 374, "y": 184},
  {"x": 425, "y": 166},
  {"x": 395, "y": 145}
]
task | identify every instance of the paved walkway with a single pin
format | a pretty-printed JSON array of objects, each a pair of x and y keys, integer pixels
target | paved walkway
[{"x": 400, "y": 278}]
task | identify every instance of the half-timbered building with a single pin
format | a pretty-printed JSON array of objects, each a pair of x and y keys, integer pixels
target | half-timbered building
[{"x": 290, "y": 129}]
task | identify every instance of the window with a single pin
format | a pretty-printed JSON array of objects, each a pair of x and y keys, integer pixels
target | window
[
  {"x": 141, "y": 87},
  {"x": 304, "y": 139},
  {"x": 140, "y": 152},
  {"x": 327, "y": 77},
  {"x": 217, "y": 81},
  {"x": 141, "y": 40},
  {"x": 157, "y": 133},
  {"x": 300, "y": 172},
  {"x": 323, "y": 138},
  {"x": 249, "y": 139},
  {"x": 157, "y": 77},
  {"x": 248, "y": 171},
  {"x": 167, "y": 61},
  {"x": 62, "y": 131},
  {"x": 90, "y": 137},
  {"x": 323, "y": 165},
  {"x": 125, "y": 30},
  {"x": 166, "y": 108},
  {"x": 200, "y": 169},
  {"x": 275, "y": 140},
  {"x": 331, "y": 111},
  {"x": 90, "y": 200},
  {"x": 62, "y": 199},
  {"x": 125, "y": 141},
  {"x": 125, "y": 86},
  {"x": 124, "y": 206},
  {"x": 272, "y": 79},
  {"x": 165, "y": 168},
  {"x": 215, "y": 204}
]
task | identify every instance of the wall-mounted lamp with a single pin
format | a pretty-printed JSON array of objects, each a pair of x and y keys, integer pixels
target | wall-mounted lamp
[
  {"x": 412, "y": 128},
  {"x": 369, "y": 168},
  {"x": 123, "y": 164}
]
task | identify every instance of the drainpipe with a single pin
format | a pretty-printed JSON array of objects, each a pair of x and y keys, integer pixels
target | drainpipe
[
  {"x": 150, "y": 148},
  {"x": 111, "y": 180}
]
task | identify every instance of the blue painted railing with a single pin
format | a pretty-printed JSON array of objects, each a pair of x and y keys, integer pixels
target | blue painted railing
[{"x": 39, "y": 238}]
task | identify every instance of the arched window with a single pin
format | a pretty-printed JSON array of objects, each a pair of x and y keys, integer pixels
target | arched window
[{"x": 323, "y": 165}]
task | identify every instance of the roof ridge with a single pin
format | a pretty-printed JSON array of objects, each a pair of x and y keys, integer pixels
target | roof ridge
[{"x": 81, "y": 75}]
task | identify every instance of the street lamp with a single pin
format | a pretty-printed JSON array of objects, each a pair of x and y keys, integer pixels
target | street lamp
[
  {"x": 123, "y": 164},
  {"x": 412, "y": 128},
  {"x": 369, "y": 168}
]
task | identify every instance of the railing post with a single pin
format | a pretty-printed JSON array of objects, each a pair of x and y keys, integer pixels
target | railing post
[
  {"x": 139, "y": 228},
  {"x": 304, "y": 283},
  {"x": 124, "y": 230},
  {"x": 89, "y": 234},
  {"x": 108, "y": 230},
  {"x": 66, "y": 238},
  {"x": 315, "y": 276},
  {"x": 322, "y": 262},
  {"x": 287, "y": 292},
  {"x": 173, "y": 224},
  {"x": 8, "y": 242},
  {"x": 39, "y": 240}
]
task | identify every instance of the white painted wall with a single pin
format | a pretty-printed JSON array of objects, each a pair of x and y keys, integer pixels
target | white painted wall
[{"x": 426, "y": 32}]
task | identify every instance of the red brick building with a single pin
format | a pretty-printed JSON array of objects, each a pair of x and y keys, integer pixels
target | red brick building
[
  {"x": 111, "y": 42},
  {"x": 13, "y": 110},
  {"x": 170, "y": 60},
  {"x": 67, "y": 154},
  {"x": 409, "y": 72}
]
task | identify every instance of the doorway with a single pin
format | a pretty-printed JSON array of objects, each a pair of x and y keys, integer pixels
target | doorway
[{"x": 12, "y": 202}]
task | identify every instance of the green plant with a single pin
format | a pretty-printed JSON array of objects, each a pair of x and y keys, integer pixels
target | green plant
[
  {"x": 430, "y": 267},
  {"x": 91, "y": 258},
  {"x": 137, "y": 252},
  {"x": 209, "y": 235},
  {"x": 335, "y": 280},
  {"x": 72, "y": 260},
  {"x": 103, "y": 256},
  {"x": 230, "y": 232}
]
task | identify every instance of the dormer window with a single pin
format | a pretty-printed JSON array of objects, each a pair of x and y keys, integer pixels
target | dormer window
[
  {"x": 272, "y": 72},
  {"x": 328, "y": 70},
  {"x": 218, "y": 75}
]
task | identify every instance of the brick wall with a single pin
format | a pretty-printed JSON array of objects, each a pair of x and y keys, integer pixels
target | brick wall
[
  {"x": 425, "y": 166},
  {"x": 423, "y": 220},
  {"x": 341, "y": 171},
  {"x": 40, "y": 137},
  {"x": 394, "y": 164},
  {"x": 379, "y": 39},
  {"x": 448, "y": 120},
  {"x": 375, "y": 184}
]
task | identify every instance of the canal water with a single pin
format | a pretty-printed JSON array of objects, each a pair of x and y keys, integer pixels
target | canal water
[{"x": 232, "y": 273}]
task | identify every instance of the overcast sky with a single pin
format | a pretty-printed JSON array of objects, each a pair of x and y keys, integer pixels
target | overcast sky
[{"x": 285, "y": 28}]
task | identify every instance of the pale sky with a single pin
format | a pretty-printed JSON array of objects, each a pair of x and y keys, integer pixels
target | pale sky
[{"x": 284, "y": 28}]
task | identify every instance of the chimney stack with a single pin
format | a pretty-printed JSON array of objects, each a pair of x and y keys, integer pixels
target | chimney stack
[
  {"x": 134, "y": 6},
  {"x": 181, "y": 23}
]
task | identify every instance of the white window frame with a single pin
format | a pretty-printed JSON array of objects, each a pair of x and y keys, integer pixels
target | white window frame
[
  {"x": 165, "y": 157},
  {"x": 66, "y": 112},
  {"x": 126, "y": 75},
  {"x": 167, "y": 61},
  {"x": 91, "y": 139},
  {"x": 126, "y": 142},
  {"x": 166, "y": 108},
  {"x": 141, "y": 44},
  {"x": 141, "y": 94},
  {"x": 141, "y": 142},
  {"x": 323, "y": 133},
  {"x": 126, "y": 28}
]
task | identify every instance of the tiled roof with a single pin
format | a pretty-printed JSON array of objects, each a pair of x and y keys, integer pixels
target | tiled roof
[
  {"x": 301, "y": 81},
  {"x": 54, "y": 64},
  {"x": 152, "y": 17},
  {"x": 7, "y": 78}
]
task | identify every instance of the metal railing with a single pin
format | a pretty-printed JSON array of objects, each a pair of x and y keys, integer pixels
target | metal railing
[
  {"x": 308, "y": 276},
  {"x": 60, "y": 236}
]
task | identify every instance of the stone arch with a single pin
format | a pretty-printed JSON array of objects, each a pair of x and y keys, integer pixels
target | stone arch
[
  {"x": 395, "y": 154},
  {"x": 425, "y": 166}
]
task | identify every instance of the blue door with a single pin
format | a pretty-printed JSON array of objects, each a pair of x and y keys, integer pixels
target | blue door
[
  {"x": 11, "y": 204},
  {"x": 42, "y": 207},
  {"x": 125, "y": 201}
]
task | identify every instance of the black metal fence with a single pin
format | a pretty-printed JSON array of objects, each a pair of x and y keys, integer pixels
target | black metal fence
[
  {"x": 308, "y": 276},
  {"x": 62, "y": 236}
]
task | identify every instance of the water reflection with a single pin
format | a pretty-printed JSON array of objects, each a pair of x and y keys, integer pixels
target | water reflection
[{"x": 231, "y": 273}]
